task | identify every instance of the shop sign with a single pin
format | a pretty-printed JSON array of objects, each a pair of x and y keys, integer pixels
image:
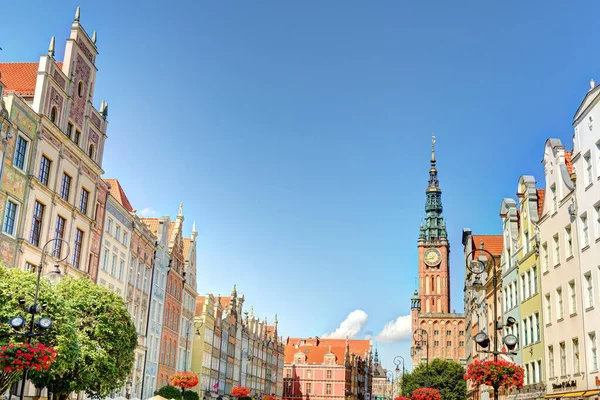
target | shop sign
[{"x": 564, "y": 385}]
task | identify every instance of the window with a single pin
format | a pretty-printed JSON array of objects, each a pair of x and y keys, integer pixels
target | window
[
  {"x": 113, "y": 265},
  {"x": 69, "y": 130},
  {"x": 533, "y": 281},
  {"x": 91, "y": 151},
  {"x": 328, "y": 374},
  {"x": 548, "y": 309},
  {"x": 523, "y": 293},
  {"x": 36, "y": 226},
  {"x": 533, "y": 374},
  {"x": 10, "y": 217},
  {"x": 554, "y": 201},
  {"x": 538, "y": 333},
  {"x": 448, "y": 333},
  {"x": 526, "y": 242},
  {"x": 53, "y": 114},
  {"x": 59, "y": 233},
  {"x": 587, "y": 160},
  {"x": 575, "y": 345},
  {"x": 105, "y": 260},
  {"x": 118, "y": 233},
  {"x": 461, "y": 344},
  {"x": 572, "y": 298},
  {"x": 539, "y": 370},
  {"x": 80, "y": 88},
  {"x": 569, "y": 241},
  {"x": 527, "y": 375},
  {"x": 589, "y": 298},
  {"x": 563, "y": 359},
  {"x": 597, "y": 218},
  {"x": 328, "y": 388},
  {"x": 556, "y": 250},
  {"x": 65, "y": 188},
  {"x": 83, "y": 204},
  {"x": 559, "y": 304},
  {"x": 551, "y": 361},
  {"x": 77, "y": 136},
  {"x": 44, "y": 170},
  {"x": 77, "y": 248},
  {"x": 448, "y": 343},
  {"x": 531, "y": 330},
  {"x": 21, "y": 150},
  {"x": 30, "y": 267},
  {"x": 121, "y": 270},
  {"x": 593, "y": 351},
  {"x": 436, "y": 332},
  {"x": 585, "y": 240},
  {"x": 308, "y": 374},
  {"x": 308, "y": 388},
  {"x": 109, "y": 226},
  {"x": 545, "y": 257},
  {"x": 125, "y": 241}
]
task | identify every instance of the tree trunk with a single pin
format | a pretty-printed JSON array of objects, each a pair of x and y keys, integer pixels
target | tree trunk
[{"x": 63, "y": 396}]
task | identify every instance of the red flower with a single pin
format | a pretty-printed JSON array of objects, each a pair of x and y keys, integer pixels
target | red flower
[
  {"x": 24, "y": 356},
  {"x": 186, "y": 380},
  {"x": 502, "y": 374},
  {"x": 426, "y": 394},
  {"x": 241, "y": 391}
]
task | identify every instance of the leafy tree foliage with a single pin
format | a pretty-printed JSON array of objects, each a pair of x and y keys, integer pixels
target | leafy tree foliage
[
  {"x": 445, "y": 375},
  {"x": 190, "y": 395},
  {"x": 170, "y": 392},
  {"x": 105, "y": 342},
  {"x": 15, "y": 285}
]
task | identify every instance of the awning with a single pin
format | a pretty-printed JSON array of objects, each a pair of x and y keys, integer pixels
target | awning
[
  {"x": 573, "y": 394},
  {"x": 561, "y": 395},
  {"x": 591, "y": 393}
]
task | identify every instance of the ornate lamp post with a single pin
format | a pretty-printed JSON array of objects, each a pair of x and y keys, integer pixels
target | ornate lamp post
[
  {"x": 421, "y": 338},
  {"x": 478, "y": 266},
  {"x": 397, "y": 361},
  {"x": 43, "y": 323}
]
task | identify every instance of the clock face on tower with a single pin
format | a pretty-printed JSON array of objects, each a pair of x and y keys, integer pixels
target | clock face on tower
[{"x": 432, "y": 257}]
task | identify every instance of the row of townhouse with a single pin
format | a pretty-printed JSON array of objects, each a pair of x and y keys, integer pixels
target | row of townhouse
[
  {"x": 53, "y": 199},
  {"x": 549, "y": 268},
  {"x": 232, "y": 347}
]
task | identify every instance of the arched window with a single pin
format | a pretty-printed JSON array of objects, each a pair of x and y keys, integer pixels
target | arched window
[
  {"x": 53, "y": 113},
  {"x": 80, "y": 89},
  {"x": 91, "y": 151},
  {"x": 432, "y": 284}
]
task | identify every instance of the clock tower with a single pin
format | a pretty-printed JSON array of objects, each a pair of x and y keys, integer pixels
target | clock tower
[
  {"x": 437, "y": 332},
  {"x": 434, "y": 249}
]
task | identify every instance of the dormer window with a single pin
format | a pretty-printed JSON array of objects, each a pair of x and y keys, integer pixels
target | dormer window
[
  {"x": 80, "y": 89},
  {"x": 53, "y": 114}
]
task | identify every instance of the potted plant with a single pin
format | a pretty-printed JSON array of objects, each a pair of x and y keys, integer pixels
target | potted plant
[
  {"x": 184, "y": 380},
  {"x": 240, "y": 392}
]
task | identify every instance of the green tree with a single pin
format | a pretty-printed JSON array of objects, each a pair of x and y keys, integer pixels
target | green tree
[
  {"x": 106, "y": 340},
  {"x": 190, "y": 395},
  {"x": 169, "y": 392},
  {"x": 445, "y": 375},
  {"x": 15, "y": 285}
]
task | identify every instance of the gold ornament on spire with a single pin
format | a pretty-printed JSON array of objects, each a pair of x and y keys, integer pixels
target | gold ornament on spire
[{"x": 432, "y": 148}]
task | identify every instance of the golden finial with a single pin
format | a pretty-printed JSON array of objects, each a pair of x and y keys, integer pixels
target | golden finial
[{"x": 432, "y": 148}]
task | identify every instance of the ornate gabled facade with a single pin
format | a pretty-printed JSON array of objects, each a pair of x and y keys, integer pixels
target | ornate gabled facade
[
  {"x": 381, "y": 389},
  {"x": 66, "y": 164},
  {"x": 188, "y": 304},
  {"x": 430, "y": 307},
  {"x": 318, "y": 368}
]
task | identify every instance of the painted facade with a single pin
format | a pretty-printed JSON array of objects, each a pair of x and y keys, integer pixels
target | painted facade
[
  {"x": 327, "y": 369},
  {"x": 564, "y": 334},
  {"x": 160, "y": 228},
  {"x": 14, "y": 187},
  {"x": 188, "y": 305},
  {"x": 430, "y": 307},
  {"x": 586, "y": 165}
]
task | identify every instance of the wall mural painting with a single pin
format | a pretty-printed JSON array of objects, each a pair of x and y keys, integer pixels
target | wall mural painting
[
  {"x": 14, "y": 182},
  {"x": 57, "y": 75},
  {"x": 96, "y": 120},
  {"x": 53, "y": 98},
  {"x": 82, "y": 74},
  {"x": 85, "y": 50},
  {"x": 93, "y": 136},
  {"x": 23, "y": 119},
  {"x": 51, "y": 139},
  {"x": 7, "y": 252}
]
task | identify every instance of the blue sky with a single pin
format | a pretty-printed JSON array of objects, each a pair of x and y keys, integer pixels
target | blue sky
[{"x": 297, "y": 133}]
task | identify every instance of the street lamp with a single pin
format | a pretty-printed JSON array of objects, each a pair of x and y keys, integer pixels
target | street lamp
[
  {"x": 477, "y": 267},
  {"x": 390, "y": 376},
  {"x": 128, "y": 389},
  {"x": 43, "y": 323},
  {"x": 418, "y": 335},
  {"x": 397, "y": 360}
]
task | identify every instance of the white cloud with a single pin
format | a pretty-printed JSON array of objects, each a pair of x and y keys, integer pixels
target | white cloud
[
  {"x": 396, "y": 331},
  {"x": 350, "y": 327},
  {"x": 368, "y": 335},
  {"x": 148, "y": 212}
]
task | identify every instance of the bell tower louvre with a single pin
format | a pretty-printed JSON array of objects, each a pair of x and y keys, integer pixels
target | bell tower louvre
[{"x": 444, "y": 335}]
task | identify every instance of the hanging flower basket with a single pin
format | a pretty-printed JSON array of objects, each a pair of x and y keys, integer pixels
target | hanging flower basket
[
  {"x": 25, "y": 356},
  {"x": 269, "y": 397},
  {"x": 240, "y": 391},
  {"x": 186, "y": 380},
  {"x": 426, "y": 394},
  {"x": 401, "y": 398},
  {"x": 504, "y": 375}
]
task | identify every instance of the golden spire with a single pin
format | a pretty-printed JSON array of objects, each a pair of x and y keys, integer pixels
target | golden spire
[{"x": 432, "y": 148}]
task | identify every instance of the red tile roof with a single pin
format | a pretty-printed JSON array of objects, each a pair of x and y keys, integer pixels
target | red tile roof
[
  {"x": 116, "y": 191},
  {"x": 316, "y": 349},
  {"x": 152, "y": 224},
  {"x": 540, "y": 201},
  {"x": 21, "y": 77},
  {"x": 491, "y": 243},
  {"x": 568, "y": 161}
]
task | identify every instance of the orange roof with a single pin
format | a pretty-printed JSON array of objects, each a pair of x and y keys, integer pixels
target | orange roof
[
  {"x": 568, "y": 161},
  {"x": 540, "y": 200},
  {"x": 315, "y": 349},
  {"x": 152, "y": 224},
  {"x": 116, "y": 191},
  {"x": 491, "y": 243},
  {"x": 21, "y": 77},
  {"x": 186, "y": 246}
]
